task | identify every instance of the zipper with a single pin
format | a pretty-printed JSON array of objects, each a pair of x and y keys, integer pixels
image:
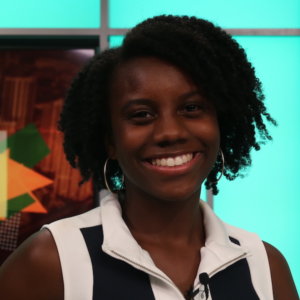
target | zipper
[
  {"x": 228, "y": 264},
  {"x": 147, "y": 270},
  {"x": 221, "y": 267},
  {"x": 166, "y": 280}
]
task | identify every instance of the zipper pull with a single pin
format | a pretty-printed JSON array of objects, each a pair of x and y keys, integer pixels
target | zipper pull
[{"x": 204, "y": 280}]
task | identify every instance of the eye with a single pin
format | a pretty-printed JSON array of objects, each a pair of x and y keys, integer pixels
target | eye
[
  {"x": 141, "y": 117},
  {"x": 192, "y": 110},
  {"x": 192, "y": 107},
  {"x": 143, "y": 114}
]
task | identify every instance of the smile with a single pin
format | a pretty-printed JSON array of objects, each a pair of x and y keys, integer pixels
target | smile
[
  {"x": 174, "y": 165},
  {"x": 172, "y": 161}
]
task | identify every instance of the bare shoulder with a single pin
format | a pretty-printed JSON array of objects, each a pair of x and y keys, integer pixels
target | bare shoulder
[
  {"x": 33, "y": 271},
  {"x": 282, "y": 281}
]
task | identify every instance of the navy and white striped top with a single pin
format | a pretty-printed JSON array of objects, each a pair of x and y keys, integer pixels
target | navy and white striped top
[{"x": 101, "y": 260}]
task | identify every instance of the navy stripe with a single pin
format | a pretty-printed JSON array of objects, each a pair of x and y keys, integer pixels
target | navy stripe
[
  {"x": 235, "y": 241},
  {"x": 234, "y": 282},
  {"x": 113, "y": 278}
]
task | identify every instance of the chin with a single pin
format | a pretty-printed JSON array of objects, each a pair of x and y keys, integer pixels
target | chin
[{"x": 178, "y": 194}]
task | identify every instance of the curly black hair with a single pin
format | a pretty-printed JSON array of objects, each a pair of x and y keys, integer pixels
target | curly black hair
[{"x": 214, "y": 61}]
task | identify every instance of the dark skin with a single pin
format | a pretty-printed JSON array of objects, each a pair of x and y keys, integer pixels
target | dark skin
[
  {"x": 156, "y": 112},
  {"x": 33, "y": 271}
]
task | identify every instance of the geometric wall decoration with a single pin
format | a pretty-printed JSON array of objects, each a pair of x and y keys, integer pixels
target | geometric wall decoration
[{"x": 9, "y": 230}]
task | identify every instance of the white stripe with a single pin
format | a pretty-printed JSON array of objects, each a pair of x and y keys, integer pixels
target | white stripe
[
  {"x": 74, "y": 256},
  {"x": 257, "y": 261}
]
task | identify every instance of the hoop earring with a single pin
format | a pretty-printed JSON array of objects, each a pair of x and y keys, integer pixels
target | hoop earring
[
  {"x": 105, "y": 179},
  {"x": 223, "y": 165}
]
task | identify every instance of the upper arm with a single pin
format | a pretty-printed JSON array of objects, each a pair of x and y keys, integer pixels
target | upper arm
[
  {"x": 33, "y": 271},
  {"x": 283, "y": 285}
]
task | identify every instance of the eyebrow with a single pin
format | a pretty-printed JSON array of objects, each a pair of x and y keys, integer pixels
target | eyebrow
[
  {"x": 145, "y": 101},
  {"x": 190, "y": 94}
]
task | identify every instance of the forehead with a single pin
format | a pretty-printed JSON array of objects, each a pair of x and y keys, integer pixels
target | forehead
[{"x": 147, "y": 73}]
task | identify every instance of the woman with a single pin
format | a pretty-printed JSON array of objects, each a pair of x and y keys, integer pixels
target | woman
[{"x": 178, "y": 104}]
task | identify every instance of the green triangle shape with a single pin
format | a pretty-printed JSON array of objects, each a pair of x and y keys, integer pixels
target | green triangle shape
[
  {"x": 27, "y": 146},
  {"x": 18, "y": 203}
]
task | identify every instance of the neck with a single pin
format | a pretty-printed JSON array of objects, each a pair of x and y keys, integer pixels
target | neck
[{"x": 156, "y": 220}]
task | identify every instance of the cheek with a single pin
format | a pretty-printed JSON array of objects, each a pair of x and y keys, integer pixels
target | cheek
[
  {"x": 129, "y": 141},
  {"x": 129, "y": 148},
  {"x": 209, "y": 132}
]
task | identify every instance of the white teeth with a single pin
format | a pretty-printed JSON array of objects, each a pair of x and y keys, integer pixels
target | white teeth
[
  {"x": 172, "y": 161},
  {"x": 178, "y": 161}
]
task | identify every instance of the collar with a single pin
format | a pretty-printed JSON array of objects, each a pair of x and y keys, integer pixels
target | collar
[
  {"x": 218, "y": 253},
  {"x": 117, "y": 238}
]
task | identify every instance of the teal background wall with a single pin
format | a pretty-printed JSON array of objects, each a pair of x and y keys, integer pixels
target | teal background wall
[
  {"x": 267, "y": 200},
  {"x": 49, "y": 14},
  {"x": 228, "y": 14}
]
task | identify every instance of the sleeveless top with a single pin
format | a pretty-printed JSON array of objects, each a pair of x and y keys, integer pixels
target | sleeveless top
[{"x": 100, "y": 260}]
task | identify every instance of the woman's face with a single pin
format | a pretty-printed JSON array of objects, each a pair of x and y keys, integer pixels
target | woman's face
[{"x": 165, "y": 134}]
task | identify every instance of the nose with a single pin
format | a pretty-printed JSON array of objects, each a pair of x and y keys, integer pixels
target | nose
[{"x": 170, "y": 130}]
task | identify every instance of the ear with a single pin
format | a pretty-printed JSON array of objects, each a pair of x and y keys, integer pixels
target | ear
[{"x": 110, "y": 148}]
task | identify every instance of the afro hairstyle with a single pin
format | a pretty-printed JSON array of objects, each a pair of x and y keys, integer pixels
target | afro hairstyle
[{"x": 213, "y": 60}]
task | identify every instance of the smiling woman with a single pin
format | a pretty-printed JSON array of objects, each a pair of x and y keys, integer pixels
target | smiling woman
[
  {"x": 158, "y": 119},
  {"x": 177, "y": 105}
]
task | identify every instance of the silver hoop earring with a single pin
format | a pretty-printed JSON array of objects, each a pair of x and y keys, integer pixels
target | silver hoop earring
[
  {"x": 105, "y": 179},
  {"x": 223, "y": 165}
]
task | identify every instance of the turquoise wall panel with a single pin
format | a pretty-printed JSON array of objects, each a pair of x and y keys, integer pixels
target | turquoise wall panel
[
  {"x": 50, "y": 14},
  {"x": 115, "y": 40},
  {"x": 228, "y": 14},
  {"x": 267, "y": 200}
]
